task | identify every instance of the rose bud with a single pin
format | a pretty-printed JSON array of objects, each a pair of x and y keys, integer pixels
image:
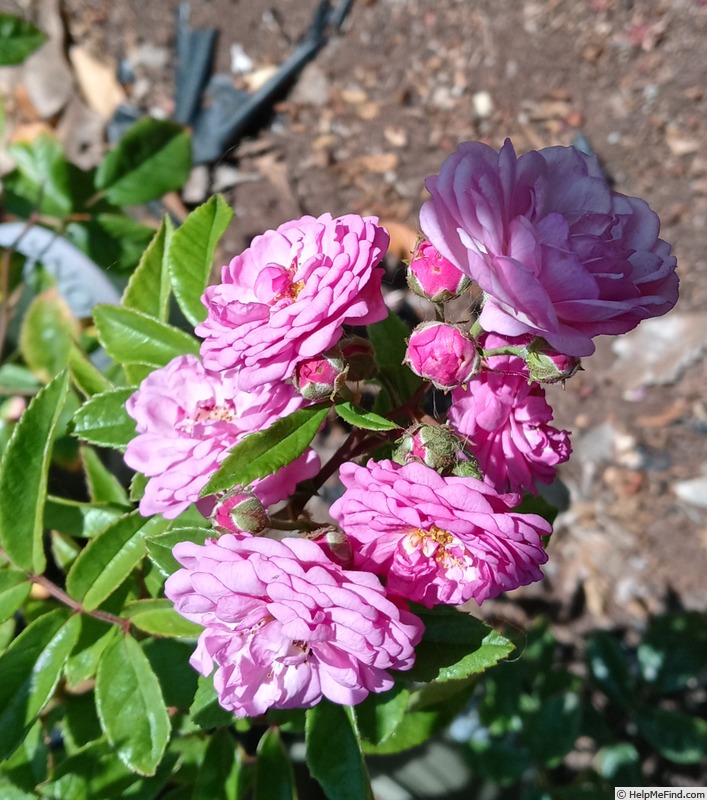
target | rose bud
[
  {"x": 240, "y": 511},
  {"x": 359, "y": 357},
  {"x": 321, "y": 377},
  {"x": 442, "y": 354},
  {"x": 432, "y": 276},
  {"x": 437, "y": 447},
  {"x": 546, "y": 365}
]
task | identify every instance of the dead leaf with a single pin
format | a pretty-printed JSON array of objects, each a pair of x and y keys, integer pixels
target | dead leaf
[{"x": 97, "y": 82}]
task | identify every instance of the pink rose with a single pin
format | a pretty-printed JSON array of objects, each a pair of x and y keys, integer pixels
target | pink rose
[
  {"x": 288, "y": 296},
  {"x": 442, "y": 353},
  {"x": 556, "y": 251},
  {"x": 437, "y": 539},
  {"x": 285, "y": 626},
  {"x": 188, "y": 418},
  {"x": 432, "y": 276},
  {"x": 505, "y": 419}
]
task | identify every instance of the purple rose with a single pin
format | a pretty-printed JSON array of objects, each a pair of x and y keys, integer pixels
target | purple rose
[{"x": 556, "y": 251}]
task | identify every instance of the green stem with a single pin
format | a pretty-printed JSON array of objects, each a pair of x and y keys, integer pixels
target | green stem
[
  {"x": 504, "y": 351},
  {"x": 294, "y": 525}
]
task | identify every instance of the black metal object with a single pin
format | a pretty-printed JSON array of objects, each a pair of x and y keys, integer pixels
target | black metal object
[{"x": 230, "y": 113}]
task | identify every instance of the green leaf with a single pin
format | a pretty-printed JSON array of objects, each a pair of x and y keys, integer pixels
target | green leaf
[
  {"x": 455, "y": 646},
  {"x": 265, "y": 452},
  {"x": 30, "y": 670},
  {"x": 46, "y": 175},
  {"x": 361, "y": 418},
  {"x": 131, "y": 337},
  {"x": 152, "y": 158},
  {"x": 95, "y": 636},
  {"x": 674, "y": 650},
  {"x": 84, "y": 520},
  {"x": 169, "y": 660},
  {"x": 110, "y": 557},
  {"x": 620, "y": 764},
  {"x": 416, "y": 727},
  {"x": 205, "y": 710},
  {"x": 609, "y": 669},
  {"x": 379, "y": 715},
  {"x": 190, "y": 254},
  {"x": 103, "y": 420},
  {"x": 14, "y": 588},
  {"x": 113, "y": 241},
  {"x": 158, "y": 618},
  {"x": 159, "y": 548},
  {"x": 87, "y": 378},
  {"x": 677, "y": 737},
  {"x": 218, "y": 775},
  {"x": 149, "y": 286},
  {"x": 23, "y": 477},
  {"x": 17, "y": 378},
  {"x": 18, "y": 39},
  {"x": 103, "y": 486},
  {"x": 93, "y": 772},
  {"x": 274, "y": 778},
  {"x": 334, "y": 753},
  {"x": 131, "y": 707},
  {"x": 552, "y": 729},
  {"x": 498, "y": 762},
  {"x": 46, "y": 335},
  {"x": 388, "y": 338}
]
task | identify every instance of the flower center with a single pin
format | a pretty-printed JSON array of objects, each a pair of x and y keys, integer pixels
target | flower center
[
  {"x": 434, "y": 542},
  {"x": 206, "y": 415}
]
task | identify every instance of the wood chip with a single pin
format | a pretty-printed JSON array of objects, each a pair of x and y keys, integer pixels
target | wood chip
[{"x": 97, "y": 82}]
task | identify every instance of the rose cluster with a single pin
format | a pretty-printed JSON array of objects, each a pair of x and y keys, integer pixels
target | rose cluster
[{"x": 294, "y": 610}]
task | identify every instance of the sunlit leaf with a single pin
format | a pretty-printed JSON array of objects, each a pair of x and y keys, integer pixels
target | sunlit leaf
[
  {"x": 265, "y": 452},
  {"x": 109, "y": 558},
  {"x": 131, "y": 337},
  {"x": 149, "y": 286},
  {"x": 131, "y": 707},
  {"x": 23, "y": 477},
  {"x": 191, "y": 253}
]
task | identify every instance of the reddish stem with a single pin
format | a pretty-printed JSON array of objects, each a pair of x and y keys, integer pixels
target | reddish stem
[{"x": 63, "y": 597}]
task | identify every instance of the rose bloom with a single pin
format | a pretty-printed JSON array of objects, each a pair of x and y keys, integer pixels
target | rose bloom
[
  {"x": 442, "y": 354},
  {"x": 188, "y": 418},
  {"x": 505, "y": 419},
  {"x": 437, "y": 539},
  {"x": 556, "y": 251},
  {"x": 286, "y": 626},
  {"x": 287, "y": 297}
]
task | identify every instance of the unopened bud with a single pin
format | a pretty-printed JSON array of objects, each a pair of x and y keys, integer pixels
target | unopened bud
[
  {"x": 468, "y": 468},
  {"x": 435, "y": 446},
  {"x": 321, "y": 377},
  {"x": 335, "y": 544},
  {"x": 433, "y": 276},
  {"x": 360, "y": 358},
  {"x": 546, "y": 365},
  {"x": 240, "y": 512},
  {"x": 442, "y": 354}
]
